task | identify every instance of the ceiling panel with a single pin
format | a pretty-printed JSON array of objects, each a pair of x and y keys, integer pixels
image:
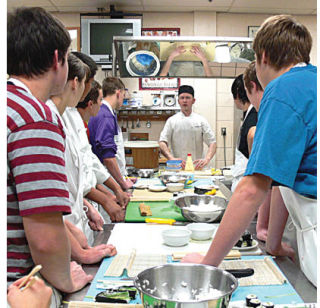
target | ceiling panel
[
  {"x": 28, "y": 3},
  {"x": 232, "y": 6},
  {"x": 274, "y": 11},
  {"x": 280, "y": 4}
]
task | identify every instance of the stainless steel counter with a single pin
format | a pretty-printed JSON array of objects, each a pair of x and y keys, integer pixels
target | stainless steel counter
[{"x": 291, "y": 270}]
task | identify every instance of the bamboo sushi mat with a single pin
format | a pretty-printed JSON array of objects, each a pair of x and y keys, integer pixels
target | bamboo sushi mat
[
  {"x": 265, "y": 271},
  {"x": 134, "y": 263}
]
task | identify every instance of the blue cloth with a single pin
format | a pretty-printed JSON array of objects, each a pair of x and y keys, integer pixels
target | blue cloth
[
  {"x": 278, "y": 294},
  {"x": 285, "y": 143},
  {"x": 103, "y": 128}
]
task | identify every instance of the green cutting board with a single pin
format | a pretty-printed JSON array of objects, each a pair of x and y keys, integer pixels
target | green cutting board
[{"x": 159, "y": 209}]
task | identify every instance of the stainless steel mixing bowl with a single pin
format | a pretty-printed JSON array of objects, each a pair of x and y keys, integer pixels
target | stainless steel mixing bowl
[
  {"x": 171, "y": 177},
  {"x": 182, "y": 285},
  {"x": 216, "y": 204}
]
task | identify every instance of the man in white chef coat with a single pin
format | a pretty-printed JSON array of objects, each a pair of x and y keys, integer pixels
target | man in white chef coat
[{"x": 186, "y": 131}]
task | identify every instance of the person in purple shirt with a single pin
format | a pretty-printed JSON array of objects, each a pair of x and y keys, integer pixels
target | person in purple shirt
[{"x": 105, "y": 134}]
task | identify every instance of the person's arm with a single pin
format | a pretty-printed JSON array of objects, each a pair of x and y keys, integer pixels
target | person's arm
[
  {"x": 86, "y": 255},
  {"x": 38, "y": 295},
  {"x": 113, "y": 168},
  {"x": 178, "y": 51},
  {"x": 250, "y": 137},
  {"x": 201, "y": 163},
  {"x": 197, "y": 51},
  {"x": 241, "y": 209},
  {"x": 121, "y": 196},
  {"x": 115, "y": 211},
  {"x": 52, "y": 251},
  {"x": 95, "y": 219},
  {"x": 165, "y": 150},
  {"x": 277, "y": 222}
]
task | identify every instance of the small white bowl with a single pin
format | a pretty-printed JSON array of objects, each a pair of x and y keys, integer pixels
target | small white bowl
[
  {"x": 157, "y": 188},
  {"x": 201, "y": 231},
  {"x": 174, "y": 187},
  {"x": 176, "y": 237}
]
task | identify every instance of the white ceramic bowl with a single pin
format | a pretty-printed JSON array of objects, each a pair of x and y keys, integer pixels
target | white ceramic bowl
[
  {"x": 201, "y": 231},
  {"x": 176, "y": 237},
  {"x": 157, "y": 188},
  {"x": 173, "y": 187}
]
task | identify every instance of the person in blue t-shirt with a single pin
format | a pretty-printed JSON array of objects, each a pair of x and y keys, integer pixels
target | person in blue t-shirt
[{"x": 285, "y": 143}]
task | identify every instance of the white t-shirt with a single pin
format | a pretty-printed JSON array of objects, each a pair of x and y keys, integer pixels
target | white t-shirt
[{"x": 187, "y": 134}]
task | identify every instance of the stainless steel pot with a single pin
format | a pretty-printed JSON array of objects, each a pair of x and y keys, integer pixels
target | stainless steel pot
[{"x": 182, "y": 285}]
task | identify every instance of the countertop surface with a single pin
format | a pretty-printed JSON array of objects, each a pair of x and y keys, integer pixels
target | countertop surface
[{"x": 291, "y": 270}]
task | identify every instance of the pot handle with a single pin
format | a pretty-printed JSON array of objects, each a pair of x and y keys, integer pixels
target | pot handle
[{"x": 239, "y": 273}]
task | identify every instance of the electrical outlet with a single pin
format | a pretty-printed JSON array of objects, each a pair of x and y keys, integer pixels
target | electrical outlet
[{"x": 223, "y": 131}]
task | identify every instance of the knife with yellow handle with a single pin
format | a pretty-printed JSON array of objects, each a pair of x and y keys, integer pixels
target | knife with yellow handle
[{"x": 166, "y": 221}]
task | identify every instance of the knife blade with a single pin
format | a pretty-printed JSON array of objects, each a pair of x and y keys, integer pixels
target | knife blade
[{"x": 224, "y": 189}]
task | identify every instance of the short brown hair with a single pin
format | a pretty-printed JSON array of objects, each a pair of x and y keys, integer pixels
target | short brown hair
[
  {"x": 110, "y": 85},
  {"x": 284, "y": 42},
  {"x": 33, "y": 35},
  {"x": 251, "y": 75},
  {"x": 91, "y": 96}
]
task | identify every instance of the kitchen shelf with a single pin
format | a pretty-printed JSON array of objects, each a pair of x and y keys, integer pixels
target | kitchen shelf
[{"x": 155, "y": 117}]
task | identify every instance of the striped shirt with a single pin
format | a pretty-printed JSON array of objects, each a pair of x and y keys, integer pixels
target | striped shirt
[{"x": 36, "y": 178}]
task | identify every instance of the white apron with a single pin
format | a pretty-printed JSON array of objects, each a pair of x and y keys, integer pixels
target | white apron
[
  {"x": 120, "y": 155},
  {"x": 303, "y": 212},
  {"x": 241, "y": 161}
]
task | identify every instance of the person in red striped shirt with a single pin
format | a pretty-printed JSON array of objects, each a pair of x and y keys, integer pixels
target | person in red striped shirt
[{"x": 37, "y": 194}]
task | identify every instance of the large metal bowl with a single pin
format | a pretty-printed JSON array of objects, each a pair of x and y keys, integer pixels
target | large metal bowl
[
  {"x": 172, "y": 177},
  {"x": 182, "y": 285},
  {"x": 216, "y": 204}
]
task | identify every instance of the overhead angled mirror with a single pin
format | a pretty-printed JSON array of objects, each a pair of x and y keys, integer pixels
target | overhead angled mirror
[{"x": 193, "y": 57}]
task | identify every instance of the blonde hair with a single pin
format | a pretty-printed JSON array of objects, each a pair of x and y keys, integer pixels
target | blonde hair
[{"x": 284, "y": 42}]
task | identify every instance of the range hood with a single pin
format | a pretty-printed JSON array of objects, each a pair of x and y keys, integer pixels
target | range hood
[{"x": 146, "y": 56}]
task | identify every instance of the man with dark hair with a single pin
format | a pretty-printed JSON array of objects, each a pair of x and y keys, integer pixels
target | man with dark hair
[
  {"x": 37, "y": 190},
  {"x": 186, "y": 131},
  {"x": 285, "y": 143},
  {"x": 105, "y": 133}
]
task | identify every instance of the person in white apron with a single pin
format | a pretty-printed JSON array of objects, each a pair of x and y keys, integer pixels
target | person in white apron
[
  {"x": 185, "y": 132},
  {"x": 105, "y": 135},
  {"x": 285, "y": 143},
  {"x": 303, "y": 212}
]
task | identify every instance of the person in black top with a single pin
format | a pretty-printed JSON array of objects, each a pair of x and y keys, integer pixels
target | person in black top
[{"x": 250, "y": 116}]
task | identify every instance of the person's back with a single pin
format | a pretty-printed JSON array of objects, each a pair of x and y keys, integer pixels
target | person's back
[
  {"x": 37, "y": 191},
  {"x": 296, "y": 104}
]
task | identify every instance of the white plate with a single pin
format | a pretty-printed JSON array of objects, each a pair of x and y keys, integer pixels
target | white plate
[
  {"x": 157, "y": 188},
  {"x": 254, "y": 245}
]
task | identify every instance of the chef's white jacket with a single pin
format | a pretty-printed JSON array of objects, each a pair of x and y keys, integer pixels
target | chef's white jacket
[
  {"x": 74, "y": 170},
  {"x": 94, "y": 171},
  {"x": 186, "y": 134}
]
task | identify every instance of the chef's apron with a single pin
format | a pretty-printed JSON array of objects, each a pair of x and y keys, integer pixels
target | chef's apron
[
  {"x": 241, "y": 161},
  {"x": 120, "y": 155},
  {"x": 303, "y": 212}
]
